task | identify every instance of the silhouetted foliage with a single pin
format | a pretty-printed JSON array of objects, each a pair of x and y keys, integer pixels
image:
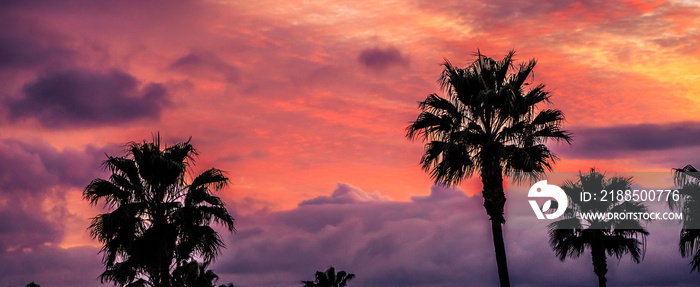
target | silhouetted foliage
[
  {"x": 158, "y": 221},
  {"x": 195, "y": 274},
  {"x": 487, "y": 123},
  {"x": 572, "y": 235},
  {"x": 330, "y": 279},
  {"x": 32, "y": 284},
  {"x": 688, "y": 181}
]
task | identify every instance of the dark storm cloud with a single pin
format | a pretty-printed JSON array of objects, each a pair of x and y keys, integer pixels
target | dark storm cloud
[
  {"x": 80, "y": 97},
  {"x": 620, "y": 141},
  {"x": 380, "y": 59}
]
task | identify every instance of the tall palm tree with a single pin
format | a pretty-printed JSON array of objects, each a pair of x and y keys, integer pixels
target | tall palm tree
[
  {"x": 688, "y": 180},
  {"x": 330, "y": 279},
  {"x": 487, "y": 123},
  {"x": 572, "y": 235},
  {"x": 157, "y": 219}
]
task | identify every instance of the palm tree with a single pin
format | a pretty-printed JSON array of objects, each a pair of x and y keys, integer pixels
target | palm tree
[
  {"x": 194, "y": 274},
  {"x": 688, "y": 179},
  {"x": 571, "y": 235},
  {"x": 487, "y": 123},
  {"x": 157, "y": 220},
  {"x": 330, "y": 279}
]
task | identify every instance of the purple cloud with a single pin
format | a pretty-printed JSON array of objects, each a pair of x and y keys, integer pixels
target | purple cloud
[
  {"x": 32, "y": 173},
  {"x": 80, "y": 97},
  {"x": 52, "y": 266},
  {"x": 34, "y": 167},
  {"x": 207, "y": 64},
  {"x": 380, "y": 59},
  {"x": 345, "y": 193},
  {"x": 19, "y": 52},
  {"x": 389, "y": 243},
  {"x": 443, "y": 239},
  {"x": 26, "y": 228},
  {"x": 620, "y": 141},
  {"x": 439, "y": 193}
]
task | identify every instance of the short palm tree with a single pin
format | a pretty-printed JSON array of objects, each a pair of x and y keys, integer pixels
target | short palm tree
[
  {"x": 572, "y": 235},
  {"x": 488, "y": 123},
  {"x": 688, "y": 180},
  {"x": 157, "y": 220},
  {"x": 330, "y": 279},
  {"x": 194, "y": 274}
]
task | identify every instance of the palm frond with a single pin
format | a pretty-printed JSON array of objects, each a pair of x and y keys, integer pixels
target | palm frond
[
  {"x": 103, "y": 189},
  {"x": 491, "y": 117}
]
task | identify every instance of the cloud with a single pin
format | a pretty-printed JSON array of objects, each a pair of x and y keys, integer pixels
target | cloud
[
  {"x": 51, "y": 266},
  {"x": 19, "y": 52},
  {"x": 381, "y": 59},
  {"x": 443, "y": 239},
  {"x": 34, "y": 180},
  {"x": 26, "y": 228},
  {"x": 624, "y": 140},
  {"x": 37, "y": 182},
  {"x": 345, "y": 193},
  {"x": 33, "y": 167},
  {"x": 26, "y": 44},
  {"x": 387, "y": 243},
  {"x": 81, "y": 97},
  {"x": 440, "y": 193},
  {"x": 196, "y": 64}
]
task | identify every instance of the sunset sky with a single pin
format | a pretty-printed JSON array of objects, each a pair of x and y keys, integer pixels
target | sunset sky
[{"x": 304, "y": 105}]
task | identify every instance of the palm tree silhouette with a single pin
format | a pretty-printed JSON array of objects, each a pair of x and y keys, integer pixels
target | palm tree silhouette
[
  {"x": 487, "y": 124},
  {"x": 688, "y": 179},
  {"x": 330, "y": 279},
  {"x": 157, "y": 220},
  {"x": 195, "y": 274},
  {"x": 615, "y": 237}
]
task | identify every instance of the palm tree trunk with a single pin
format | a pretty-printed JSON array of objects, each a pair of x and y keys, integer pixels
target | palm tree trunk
[
  {"x": 498, "y": 244},
  {"x": 494, "y": 203},
  {"x": 166, "y": 251},
  {"x": 165, "y": 274},
  {"x": 600, "y": 264}
]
